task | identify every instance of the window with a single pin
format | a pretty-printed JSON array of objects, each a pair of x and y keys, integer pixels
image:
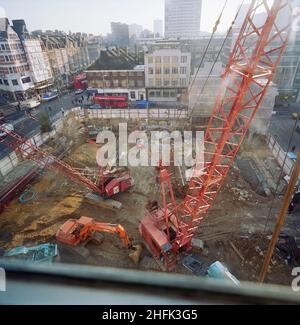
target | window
[
  {"x": 158, "y": 82},
  {"x": 183, "y": 59},
  {"x": 182, "y": 82},
  {"x": 158, "y": 59},
  {"x": 26, "y": 80},
  {"x": 140, "y": 83},
  {"x": 2, "y": 47},
  {"x": 15, "y": 82},
  {"x": 11, "y": 70},
  {"x": 5, "y": 82},
  {"x": 150, "y": 70},
  {"x": 174, "y": 82},
  {"x": 175, "y": 70},
  {"x": 132, "y": 94},
  {"x": 174, "y": 59},
  {"x": 150, "y": 81},
  {"x": 158, "y": 70},
  {"x": 1, "y": 82},
  {"x": 166, "y": 59},
  {"x": 166, "y": 93},
  {"x": 172, "y": 93},
  {"x": 150, "y": 59},
  {"x": 167, "y": 70},
  {"x": 166, "y": 82},
  {"x": 6, "y": 58},
  {"x": 182, "y": 70}
]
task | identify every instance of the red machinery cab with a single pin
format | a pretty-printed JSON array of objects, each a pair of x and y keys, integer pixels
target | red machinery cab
[
  {"x": 154, "y": 234},
  {"x": 74, "y": 232},
  {"x": 118, "y": 185}
]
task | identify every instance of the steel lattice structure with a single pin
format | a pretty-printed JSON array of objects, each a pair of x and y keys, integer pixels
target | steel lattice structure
[
  {"x": 249, "y": 72},
  {"x": 45, "y": 160}
]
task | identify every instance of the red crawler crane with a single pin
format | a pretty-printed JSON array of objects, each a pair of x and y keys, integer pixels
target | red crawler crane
[
  {"x": 107, "y": 185},
  {"x": 251, "y": 67}
]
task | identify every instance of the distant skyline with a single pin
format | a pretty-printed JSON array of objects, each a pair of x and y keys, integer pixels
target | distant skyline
[{"x": 94, "y": 16}]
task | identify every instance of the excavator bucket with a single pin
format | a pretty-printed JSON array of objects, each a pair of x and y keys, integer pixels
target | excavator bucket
[{"x": 135, "y": 254}]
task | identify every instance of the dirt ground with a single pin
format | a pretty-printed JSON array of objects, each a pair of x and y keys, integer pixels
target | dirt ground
[{"x": 237, "y": 218}]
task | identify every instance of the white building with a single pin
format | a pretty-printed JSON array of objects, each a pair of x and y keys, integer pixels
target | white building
[
  {"x": 135, "y": 30},
  {"x": 167, "y": 72},
  {"x": 15, "y": 77},
  {"x": 182, "y": 18},
  {"x": 38, "y": 62},
  {"x": 158, "y": 27}
]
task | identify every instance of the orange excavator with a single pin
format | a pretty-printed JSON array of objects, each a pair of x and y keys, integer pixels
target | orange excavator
[{"x": 75, "y": 232}]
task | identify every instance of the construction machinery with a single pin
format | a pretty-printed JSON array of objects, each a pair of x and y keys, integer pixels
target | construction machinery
[
  {"x": 105, "y": 184},
  {"x": 75, "y": 232},
  {"x": 169, "y": 229},
  {"x": 44, "y": 253}
]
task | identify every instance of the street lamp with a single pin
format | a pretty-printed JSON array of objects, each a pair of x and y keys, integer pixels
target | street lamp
[{"x": 103, "y": 80}]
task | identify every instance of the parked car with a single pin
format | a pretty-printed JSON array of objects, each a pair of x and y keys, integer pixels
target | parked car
[
  {"x": 6, "y": 126},
  {"x": 50, "y": 95},
  {"x": 96, "y": 106},
  {"x": 30, "y": 103},
  {"x": 79, "y": 91}
]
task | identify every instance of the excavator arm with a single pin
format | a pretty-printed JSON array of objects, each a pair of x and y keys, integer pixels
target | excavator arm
[{"x": 113, "y": 229}]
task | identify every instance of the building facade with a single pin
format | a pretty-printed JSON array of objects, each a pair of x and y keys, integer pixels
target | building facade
[
  {"x": 119, "y": 34},
  {"x": 36, "y": 56},
  {"x": 94, "y": 48},
  {"x": 135, "y": 30},
  {"x": 68, "y": 55},
  {"x": 167, "y": 72},
  {"x": 16, "y": 81},
  {"x": 130, "y": 83},
  {"x": 158, "y": 27},
  {"x": 182, "y": 18}
]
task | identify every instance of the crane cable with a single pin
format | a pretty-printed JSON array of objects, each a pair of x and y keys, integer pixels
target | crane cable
[
  {"x": 208, "y": 45},
  {"x": 218, "y": 55}
]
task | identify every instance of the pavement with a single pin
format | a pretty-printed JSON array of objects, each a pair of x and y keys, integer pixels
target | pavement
[{"x": 28, "y": 127}]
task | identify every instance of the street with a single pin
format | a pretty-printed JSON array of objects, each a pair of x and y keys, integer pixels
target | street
[
  {"x": 282, "y": 125},
  {"x": 28, "y": 127}
]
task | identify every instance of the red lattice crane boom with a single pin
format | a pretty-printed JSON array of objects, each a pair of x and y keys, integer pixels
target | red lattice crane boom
[
  {"x": 107, "y": 183},
  {"x": 44, "y": 159},
  {"x": 250, "y": 70}
]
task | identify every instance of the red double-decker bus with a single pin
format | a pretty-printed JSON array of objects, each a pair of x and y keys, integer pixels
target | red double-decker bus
[{"x": 111, "y": 101}]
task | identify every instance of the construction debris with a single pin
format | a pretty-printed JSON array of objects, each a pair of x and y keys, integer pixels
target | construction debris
[{"x": 237, "y": 251}]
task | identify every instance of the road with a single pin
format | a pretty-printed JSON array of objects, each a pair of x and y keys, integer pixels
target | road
[
  {"x": 282, "y": 125},
  {"x": 28, "y": 127}
]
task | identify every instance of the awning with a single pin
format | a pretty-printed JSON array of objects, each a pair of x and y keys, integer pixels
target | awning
[{"x": 43, "y": 87}]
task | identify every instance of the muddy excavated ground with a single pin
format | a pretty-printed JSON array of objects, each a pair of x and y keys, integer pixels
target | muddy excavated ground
[{"x": 238, "y": 219}]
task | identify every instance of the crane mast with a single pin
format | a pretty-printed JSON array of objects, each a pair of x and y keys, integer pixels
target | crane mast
[{"x": 250, "y": 70}]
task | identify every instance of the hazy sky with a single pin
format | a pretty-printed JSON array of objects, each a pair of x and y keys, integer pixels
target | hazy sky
[{"x": 94, "y": 16}]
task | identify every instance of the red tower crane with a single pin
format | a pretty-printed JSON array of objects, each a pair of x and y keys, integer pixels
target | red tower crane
[
  {"x": 106, "y": 184},
  {"x": 252, "y": 63}
]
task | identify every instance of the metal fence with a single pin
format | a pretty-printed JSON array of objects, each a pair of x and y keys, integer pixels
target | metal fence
[
  {"x": 8, "y": 163},
  {"x": 280, "y": 155},
  {"x": 128, "y": 113}
]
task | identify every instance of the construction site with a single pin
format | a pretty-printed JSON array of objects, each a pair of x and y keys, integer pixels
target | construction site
[{"x": 157, "y": 218}]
